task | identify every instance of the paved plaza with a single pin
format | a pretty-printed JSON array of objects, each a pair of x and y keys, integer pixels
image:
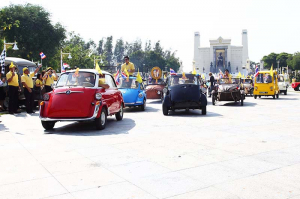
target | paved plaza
[{"x": 233, "y": 152}]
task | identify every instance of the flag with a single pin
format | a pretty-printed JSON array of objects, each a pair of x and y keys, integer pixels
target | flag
[
  {"x": 271, "y": 70},
  {"x": 256, "y": 71},
  {"x": 243, "y": 76},
  {"x": 117, "y": 78},
  {"x": 139, "y": 78},
  {"x": 172, "y": 72},
  {"x": 194, "y": 72},
  {"x": 123, "y": 75},
  {"x": 127, "y": 74},
  {"x": 98, "y": 68},
  {"x": 43, "y": 56},
  {"x": 183, "y": 75},
  {"x": 2, "y": 61},
  {"x": 64, "y": 66},
  {"x": 239, "y": 75}
]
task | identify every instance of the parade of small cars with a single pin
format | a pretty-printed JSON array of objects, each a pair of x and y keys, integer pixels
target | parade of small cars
[
  {"x": 133, "y": 92},
  {"x": 228, "y": 89},
  {"x": 266, "y": 84},
  {"x": 79, "y": 95},
  {"x": 182, "y": 91}
]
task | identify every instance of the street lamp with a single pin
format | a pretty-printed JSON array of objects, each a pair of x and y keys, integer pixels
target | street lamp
[
  {"x": 278, "y": 61},
  {"x": 61, "y": 58},
  {"x": 203, "y": 69},
  {"x": 15, "y": 47},
  {"x": 261, "y": 64}
]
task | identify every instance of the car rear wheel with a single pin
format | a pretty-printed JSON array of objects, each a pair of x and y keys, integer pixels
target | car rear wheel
[
  {"x": 101, "y": 121},
  {"x": 143, "y": 107},
  {"x": 48, "y": 125},
  {"x": 119, "y": 115},
  {"x": 285, "y": 92},
  {"x": 277, "y": 95},
  {"x": 297, "y": 88},
  {"x": 203, "y": 108},
  {"x": 255, "y": 96},
  {"x": 213, "y": 99},
  {"x": 165, "y": 109},
  {"x": 274, "y": 96},
  {"x": 242, "y": 100}
]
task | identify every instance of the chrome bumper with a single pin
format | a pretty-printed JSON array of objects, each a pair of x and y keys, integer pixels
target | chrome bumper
[{"x": 72, "y": 119}]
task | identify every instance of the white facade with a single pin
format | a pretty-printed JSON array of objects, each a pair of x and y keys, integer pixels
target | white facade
[{"x": 221, "y": 55}]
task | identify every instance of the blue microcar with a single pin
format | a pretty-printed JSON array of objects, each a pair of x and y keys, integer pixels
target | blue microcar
[{"x": 133, "y": 93}]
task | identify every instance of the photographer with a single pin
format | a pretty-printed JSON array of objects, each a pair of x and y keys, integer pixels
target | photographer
[{"x": 49, "y": 77}]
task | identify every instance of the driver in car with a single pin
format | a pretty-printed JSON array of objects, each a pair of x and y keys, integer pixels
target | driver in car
[{"x": 102, "y": 83}]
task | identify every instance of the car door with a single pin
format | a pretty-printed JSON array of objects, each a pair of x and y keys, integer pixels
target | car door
[{"x": 113, "y": 92}]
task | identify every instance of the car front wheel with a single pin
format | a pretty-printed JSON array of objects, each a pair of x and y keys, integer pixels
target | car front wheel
[
  {"x": 285, "y": 92},
  {"x": 203, "y": 108},
  {"x": 119, "y": 115},
  {"x": 213, "y": 99},
  {"x": 101, "y": 121},
  {"x": 143, "y": 106},
  {"x": 48, "y": 125},
  {"x": 165, "y": 109}
]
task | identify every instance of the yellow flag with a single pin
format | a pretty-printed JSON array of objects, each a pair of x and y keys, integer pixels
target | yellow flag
[
  {"x": 243, "y": 76},
  {"x": 183, "y": 75},
  {"x": 98, "y": 68},
  {"x": 271, "y": 70},
  {"x": 139, "y": 78},
  {"x": 203, "y": 77},
  {"x": 194, "y": 72},
  {"x": 240, "y": 75}
]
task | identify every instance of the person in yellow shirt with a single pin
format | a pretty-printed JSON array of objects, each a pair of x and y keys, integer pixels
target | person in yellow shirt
[
  {"x": 38, "y": 88},
  {"x": 128, "y": 65},
  {"x": 49, "y": 77},
  {"x": 13, "y": 89},
  {"x": 27, "y": 82}
]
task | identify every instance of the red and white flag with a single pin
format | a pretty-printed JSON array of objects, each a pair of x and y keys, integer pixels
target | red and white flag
[{"x": 43, "y": 56}]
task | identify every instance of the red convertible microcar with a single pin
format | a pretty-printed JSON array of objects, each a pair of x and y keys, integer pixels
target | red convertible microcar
[{"x": 82, "y": 95}]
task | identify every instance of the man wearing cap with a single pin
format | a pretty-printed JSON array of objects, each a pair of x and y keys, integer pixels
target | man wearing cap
[
  {"x": 128, "y": 65},
  {"x": 27, "y": 82},
  {"x": 13, "y": 88},
  {"x": 49, "y": 79}
]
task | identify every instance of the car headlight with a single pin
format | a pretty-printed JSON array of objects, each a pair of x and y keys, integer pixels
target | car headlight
[
  {"x": 158, "y": 92},
  {"x": 98, "y": 96},
  {"x": 140, "y": 95},
  {"x": 271, "y": 88},
  {"x": 255, "y": 87},
  {"x": 46, "y": 96},
  {"x": 165, "y": 90}
]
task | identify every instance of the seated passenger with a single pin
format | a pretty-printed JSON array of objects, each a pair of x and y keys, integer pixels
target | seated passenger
[{"x": 102, "y": 83}]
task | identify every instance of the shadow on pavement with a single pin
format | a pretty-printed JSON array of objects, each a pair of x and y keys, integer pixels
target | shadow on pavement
[
  {"x": 138, "y": 109},
  {"x": 283, "y": 99},
  {"x": 236, "y": 104},
  {"x": 153, "y": 101},
  {"x": 113, "y": 127},
  {"x": 198, "y": 113}
]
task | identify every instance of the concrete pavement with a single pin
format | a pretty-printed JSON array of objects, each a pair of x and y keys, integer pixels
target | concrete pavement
[{"x": 246, "y": 152}]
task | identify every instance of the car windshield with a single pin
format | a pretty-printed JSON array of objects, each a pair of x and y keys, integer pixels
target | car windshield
[
  {"x": 187, "y": 79},
  {"x": 229, "y": 81},
  {"x": 153, "y": 82},
  {"x": 84, "y": 79},
  {"x": 280, "y": 79},
  {"x": 263, "y": 78},
  {"x": 131, "y": 83},
  {"x": 247, "y": 81}
]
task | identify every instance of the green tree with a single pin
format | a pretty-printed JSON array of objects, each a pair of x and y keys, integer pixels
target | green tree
[
  {"x": 100, "y": 47},
  {"x": 270, "y": 60},
  {"x": 283, "y": 58},
  {"x": 31, "y": 27},
  {"x": 108, "y": 50},
  {"x": 294, "y": 61},
  {"x": 119, "y": 51}
]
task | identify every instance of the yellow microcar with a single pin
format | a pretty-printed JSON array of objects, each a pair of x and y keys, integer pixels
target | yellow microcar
[{"x": 266, "y": 84}]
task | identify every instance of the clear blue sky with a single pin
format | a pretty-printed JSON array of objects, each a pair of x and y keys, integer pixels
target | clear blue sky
[{"x": 273, "y": 25}]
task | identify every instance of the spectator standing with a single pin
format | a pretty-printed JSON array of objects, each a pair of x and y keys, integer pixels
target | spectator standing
[
  {"x": 38, "y": 88},
  {"x": 212, "y": 83},
  {"x": 49, "y": 78},
  {"x": 2, "y": 93},
  {"x": 13, "y": 89},
  {"x": 27, "y": 82}
]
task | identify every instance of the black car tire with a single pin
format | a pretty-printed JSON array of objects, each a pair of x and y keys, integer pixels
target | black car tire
[
  {"x": 48, "y": 125},
  {"x": 101, "y": 121},
  {"x": 277, "y": 95},
  {"x": 242, "y": 100},
  {"x": 213, "y": 99},
  {"x": 255, "y": 96},
  {"x": 165, "y": 109},
  {"x": 203, "y": 108},
  {"x": 143, "y": 107},
  {"x": 274, "y": 96},
  {"x": 285, "y": 92},
  {"x": 260, "y": 96},
  {"x": 297, "y": 88},
  {"x": 119, "y": 115}
]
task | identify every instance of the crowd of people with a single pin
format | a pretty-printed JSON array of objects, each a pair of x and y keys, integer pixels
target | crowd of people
[{"x": 13, "y": 85}]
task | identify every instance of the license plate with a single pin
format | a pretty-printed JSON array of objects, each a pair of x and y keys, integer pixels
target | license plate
[{"x": 263, "y": 92}]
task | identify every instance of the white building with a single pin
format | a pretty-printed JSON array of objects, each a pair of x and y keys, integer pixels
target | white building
[{"x": 221, "y": 55}]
